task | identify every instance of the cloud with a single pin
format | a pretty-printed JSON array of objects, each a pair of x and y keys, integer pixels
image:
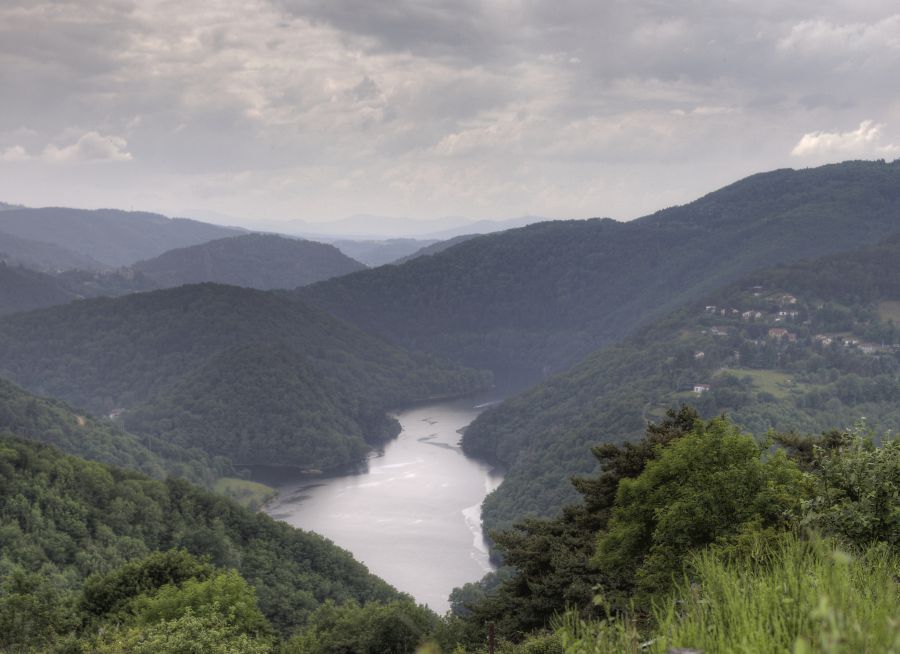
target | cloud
[
  {"x": 343, "y": 106},
  {"x": 91, "y": 146},
  {"x": 866, "y": 141},
  {"x": 14, "y": 153},
  {"x": 817, "y": 37}
]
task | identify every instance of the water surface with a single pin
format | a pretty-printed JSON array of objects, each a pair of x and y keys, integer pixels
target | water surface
[{"x": 413, "y": 517}]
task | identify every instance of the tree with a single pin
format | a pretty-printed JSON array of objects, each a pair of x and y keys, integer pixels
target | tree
[{"x": 705, "y": 487}]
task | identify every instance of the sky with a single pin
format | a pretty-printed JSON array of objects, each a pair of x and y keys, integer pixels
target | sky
[{"x": 278, "y": 110}]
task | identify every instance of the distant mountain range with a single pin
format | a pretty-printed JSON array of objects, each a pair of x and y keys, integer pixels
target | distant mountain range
[
  {"x": 379, "y": 253},
  {"x": 261, "y": 261},
  {"x": 46, "y": 257},
  {"x": 368, "y": 227},
  {"x": 531, "y": 301},
  {"x": 111, "y": 237},
  {"x": 253, "y": 260}
]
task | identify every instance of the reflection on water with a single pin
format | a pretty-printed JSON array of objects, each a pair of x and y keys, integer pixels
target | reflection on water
[{"x": 413, "y": 516}]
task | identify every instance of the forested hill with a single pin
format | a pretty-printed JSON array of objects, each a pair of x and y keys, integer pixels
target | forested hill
[
  {"x": 22, "y": 289},
  {"x": 260, "y": 261},
  {"x": 112, "y": 237},
  {"x": 75, "y": 432},
  {"x": 805, "y": 347},
  {"x": 538, "y": 299},
  {"x": 64, "y": 519},
  {"x": 245, "y": 374},
  {"x": 45, "y": 257}
]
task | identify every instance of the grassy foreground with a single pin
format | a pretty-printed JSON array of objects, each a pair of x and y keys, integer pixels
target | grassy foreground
[{"x": 792, "y": 596}]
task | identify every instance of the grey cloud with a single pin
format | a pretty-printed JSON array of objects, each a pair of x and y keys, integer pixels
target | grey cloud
[
  {"x": 493, "y": 107},
  {"x": 458, "y": 29}
]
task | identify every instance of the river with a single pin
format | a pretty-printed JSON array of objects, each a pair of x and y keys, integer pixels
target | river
[{"x": 413, "y": 517}]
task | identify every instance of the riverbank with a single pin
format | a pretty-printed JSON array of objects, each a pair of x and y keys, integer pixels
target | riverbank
[{"x": 413, "y": 515}]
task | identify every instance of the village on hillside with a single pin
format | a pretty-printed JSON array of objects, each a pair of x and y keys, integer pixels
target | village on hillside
[{"x": 775, "y": 330}]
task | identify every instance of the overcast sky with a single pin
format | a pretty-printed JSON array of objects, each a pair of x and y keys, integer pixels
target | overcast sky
[{"x": 318, "y": 109}]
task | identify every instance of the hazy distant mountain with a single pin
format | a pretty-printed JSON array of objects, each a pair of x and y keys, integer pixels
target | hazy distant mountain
[
  {"x": 434, "y": 248},
  {"x": 485, "y": 227},
  {"x": 112, "y": 237},
  {"x": 43, "y": 256},
  {"x": 251, "y": 375},
  {"x": 254, "y": 260},
  {"x": 365, "y": 227},
  {"x": 22, "y": 289},
  {"x": 362, "y": 226},
  {"x": 378, "y": 253},
  {"x": 529, "y": 301}
]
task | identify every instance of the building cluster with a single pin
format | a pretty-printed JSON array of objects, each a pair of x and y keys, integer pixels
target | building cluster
[{"x": 782, "y": 308}]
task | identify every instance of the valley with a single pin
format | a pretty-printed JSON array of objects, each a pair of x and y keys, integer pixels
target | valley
[
  {"x": 266, "y": 419},
  {"x": 412, "y": 515}
]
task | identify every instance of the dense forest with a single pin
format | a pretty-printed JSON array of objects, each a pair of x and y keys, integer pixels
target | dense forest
[
  {"x": 804, "y": 347},
  {"x": 97, "y": 439},
  {"x": 702, "y": 537},
  {"x": 236, "y": 372},
  {"x": 698, "y": 535},
  {"x": 95, "y": 558},
  {"x": 530, "y": 301},
  {"x": 263, "y": 261}
]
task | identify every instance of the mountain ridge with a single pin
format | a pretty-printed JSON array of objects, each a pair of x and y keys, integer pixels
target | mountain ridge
[
  {"x": 535, "y": 300},
  {"x": 806, "y": 347},
  {"x": 261, "y": 261}
]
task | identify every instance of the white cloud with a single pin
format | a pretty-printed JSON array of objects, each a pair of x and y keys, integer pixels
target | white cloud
[
  {"x": 14, "y": 153},
  {"x": 91, "y": 146},
  {"x": 867, "y": 141},
  {"x": 815, "y": 37}
]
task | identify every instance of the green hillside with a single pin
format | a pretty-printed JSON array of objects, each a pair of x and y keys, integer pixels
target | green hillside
[
  {"x": 806, "y": 347},
  {"x": 255, "y": 260},
  {"x": 530, "y": 301},
  {"x": 63, "y": 519},
  {"x": 55, "y": 423},
  {"x": 234, "y": 371}
]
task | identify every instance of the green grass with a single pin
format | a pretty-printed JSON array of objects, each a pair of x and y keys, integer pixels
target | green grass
[
  {"x": 795, "y": 597},
  {"x": 777, "y": 383},
  {"x": 889, "y": 310},
  {"x": 249, "y": 494}
]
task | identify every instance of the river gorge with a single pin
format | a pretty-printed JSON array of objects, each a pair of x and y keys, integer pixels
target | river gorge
[{"x": 413, "y": 514}]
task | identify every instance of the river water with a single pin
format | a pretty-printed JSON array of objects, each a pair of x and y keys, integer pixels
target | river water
[{"x": 413, "y": 517}]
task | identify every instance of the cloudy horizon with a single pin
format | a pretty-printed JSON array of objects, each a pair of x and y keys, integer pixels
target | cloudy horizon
[{"x": 273, "y": 110}]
